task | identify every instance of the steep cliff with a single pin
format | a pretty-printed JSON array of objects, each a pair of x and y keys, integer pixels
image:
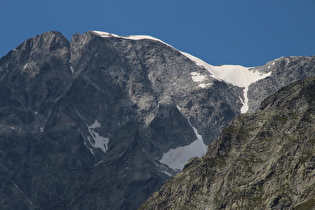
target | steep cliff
[{"x": 264, "y": 160}]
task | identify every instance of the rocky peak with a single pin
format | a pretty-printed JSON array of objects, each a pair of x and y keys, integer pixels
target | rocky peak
[{"x": 284, "y": 71}]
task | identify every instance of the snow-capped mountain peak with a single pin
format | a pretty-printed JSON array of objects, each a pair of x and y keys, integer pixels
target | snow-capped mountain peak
[{"x": 131, "y": 37}]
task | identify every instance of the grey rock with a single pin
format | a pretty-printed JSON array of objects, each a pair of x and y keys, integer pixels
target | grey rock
[
  {"x": 284, "y": 71},
  {"x": 264, "y": 160},
  {"x": 84, "y": 124}
]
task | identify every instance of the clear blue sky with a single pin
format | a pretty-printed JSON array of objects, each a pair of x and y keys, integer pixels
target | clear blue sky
[{"x": 245, "y": 32}]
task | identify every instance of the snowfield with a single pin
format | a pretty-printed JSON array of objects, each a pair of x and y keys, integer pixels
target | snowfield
[
  {"x": 234, "y": 74},
  {"x": 177, "y": 158}
]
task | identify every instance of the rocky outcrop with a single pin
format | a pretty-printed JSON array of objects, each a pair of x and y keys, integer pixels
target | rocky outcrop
[
  {"x": 284, "y": 71},
  {"x": 264, "y": 160}
]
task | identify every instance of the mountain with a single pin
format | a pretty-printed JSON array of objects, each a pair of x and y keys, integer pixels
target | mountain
[
  {"x": 264, "y": 160},
  {"x": 103, "y": 121}
]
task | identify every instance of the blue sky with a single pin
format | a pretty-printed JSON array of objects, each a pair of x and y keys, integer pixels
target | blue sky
[{"x": 245, "y": 32}]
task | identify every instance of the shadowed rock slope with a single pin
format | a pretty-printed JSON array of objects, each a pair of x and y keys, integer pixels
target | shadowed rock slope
[{"x": 264, "y": 160}]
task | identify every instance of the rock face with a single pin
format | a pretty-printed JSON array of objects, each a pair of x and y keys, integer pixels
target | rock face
[
  {"x": 85, "y": 124},
  {"x": 103, "y": 121},
  {"x": 284, "y": 70},
  {"x": 264, "y": 160}
]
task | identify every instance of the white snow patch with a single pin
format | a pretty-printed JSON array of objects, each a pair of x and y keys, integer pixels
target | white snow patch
[
  {"x": 197, "y": 77},
  {"x": 177, "y": 158},
  {"x": 89, "y": 148},
  {"x": 204, "y": 85},
  {"x": 96, "y": 124},
  {"x": 234, "y": 74},
  {"x": 25, "y": 66},
  {"x": 71, "y": 68},
  {"x": 134, "y": 37},
  {"x": 105, "y": 34},
  {"x": 85, "y": 139},
  {"x": 245, "y": 106},
  {"x": 99, "y": 141}
]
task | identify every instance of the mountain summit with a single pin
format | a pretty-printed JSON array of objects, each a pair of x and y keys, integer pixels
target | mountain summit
[{"x": 103, "y": 121}]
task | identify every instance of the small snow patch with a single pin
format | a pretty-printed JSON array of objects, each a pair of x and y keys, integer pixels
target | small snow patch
[
  {"x": 245, "y": 106},
  {"x": 104, "y": 34},
  {"x": 177, "y": 158},
  {"x": 197, "y": 77},
  {"x": 88, "y": 147},
  {"x": 204, "y": 85},
  {"x": 25, "y": 66},
  {"x": 134, "y": 37},
  {"x": 96, "y": 124},
  {"x": 98, "y": 141}
]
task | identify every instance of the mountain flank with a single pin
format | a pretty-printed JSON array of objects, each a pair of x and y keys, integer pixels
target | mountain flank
[{"x": 264, "y": 160}]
